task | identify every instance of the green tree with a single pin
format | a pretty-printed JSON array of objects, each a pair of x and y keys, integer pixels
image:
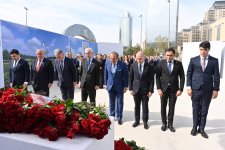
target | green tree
[
  {"x": 6, "y": 55},
  {"x": 149, "y": 52},
  {"x": 132, "y": 50},
  {"x": 161, "y": 44}
]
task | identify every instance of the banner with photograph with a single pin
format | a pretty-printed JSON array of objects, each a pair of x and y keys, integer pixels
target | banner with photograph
[
  {"x": 27, "y": 40},
  {"x": 1, "y": 62}
]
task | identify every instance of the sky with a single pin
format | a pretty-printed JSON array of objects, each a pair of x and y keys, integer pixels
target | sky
[
  {"x": 103, "y": 16},
  {"x": 27, "y": 40}
]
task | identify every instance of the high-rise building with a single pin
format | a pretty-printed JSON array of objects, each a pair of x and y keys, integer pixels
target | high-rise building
[
  {"x": 184, "y": 36},
  {"x": 203, "y": 29},
  {"x": 216, "y": 31},
  {"x": 209, "y": 15},
  {"x": 218, "y": 5},
  {"x": 195, "y": 34},
  {"x": 126, "y": 30}
]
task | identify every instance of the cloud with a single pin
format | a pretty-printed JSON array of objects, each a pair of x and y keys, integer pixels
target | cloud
[
  {"x": 9, "y": 41},
  {"x": 7, "y": 34},
  {"x": 93, "y": 13},
  {"x": 33, "y": 44}
]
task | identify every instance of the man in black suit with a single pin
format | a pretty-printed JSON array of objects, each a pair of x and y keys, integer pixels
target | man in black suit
[
  {"x": 203, "y": 82},
  {"x": 89, "y": 76},
  {"x": 19, "y": 70},
  {"x": 66, "y": 74},
  {"x": 42, "y": 74},
  {"x": 170, "y": 83},
  {"x": 141, "y": 86}
]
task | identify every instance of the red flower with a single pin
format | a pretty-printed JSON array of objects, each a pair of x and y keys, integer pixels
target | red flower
[
  {"x": 121, "y": 145},
  {"x": 51, "y": 133},
  {"x": 1, "y": 92},
  {"x": 104, "y": 123},
  {"x": 84, "y": 123},
  {"x": 71, "y": 133},
  {"x": 94, "y": 117}
]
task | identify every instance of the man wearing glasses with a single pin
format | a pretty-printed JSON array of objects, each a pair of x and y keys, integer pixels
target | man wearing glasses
[{"x": 89, "y": 73}]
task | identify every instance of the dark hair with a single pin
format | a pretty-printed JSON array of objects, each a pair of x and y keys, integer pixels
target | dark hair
[
  {"x": 169, "y": 50},
  {"x": 205, "y": 45},
  {"x": 14, "y": 51}
]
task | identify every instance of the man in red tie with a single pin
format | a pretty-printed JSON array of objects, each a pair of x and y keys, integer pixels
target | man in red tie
[{"x": 42, "y": 73}]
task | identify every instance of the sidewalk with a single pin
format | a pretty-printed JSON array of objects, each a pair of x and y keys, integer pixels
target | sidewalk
[{"x": 154, "y": 138}]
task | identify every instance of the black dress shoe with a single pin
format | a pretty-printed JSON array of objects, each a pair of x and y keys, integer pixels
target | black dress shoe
[
  {"x": 120, "y": 122},
  {"x": 136, "y": 123},
  {"x": 163, "y": 128},
  {"x": 145, "y": 125},
  {"x": 194, "y": 131},
  {"x": 171, "y": 128},
  {"x": 203, "y": 133}
]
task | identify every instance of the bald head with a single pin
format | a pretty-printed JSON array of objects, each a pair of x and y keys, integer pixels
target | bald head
[
  {"x": 88, "y": 53},
  {"x": 40, "y": 54},
  {"x": 140, "y": 57}
]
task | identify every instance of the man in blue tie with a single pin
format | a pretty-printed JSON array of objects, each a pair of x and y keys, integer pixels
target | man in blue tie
[
  {"x": 116, "y": 81},
  {"x": 203, "y": 81},
  {"x": 89, "y": 74},
  {"x": 170, "y": 83}
]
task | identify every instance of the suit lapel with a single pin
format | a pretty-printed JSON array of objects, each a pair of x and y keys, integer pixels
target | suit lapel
[
  {"x": 86, "y": 64},
  {"x": 18, "y": 65},
  {"x": 42, "y": 64},
  {"x": 91, "y": 65},
  {"x": 117, "y": 68},
  {"x": 137, "y": 72},
  {"x": 166, "y": 66},
  {"x": 209, "y": 63},
  {"x": 174, "y": 66},
  {"x": 198, "y": 61},
  {"x": 110, "y": 69}
]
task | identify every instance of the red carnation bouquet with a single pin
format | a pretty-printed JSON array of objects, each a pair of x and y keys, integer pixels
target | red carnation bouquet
[
  {"x": 20, "y": 111},
  {"x": 122, "y": 144}
]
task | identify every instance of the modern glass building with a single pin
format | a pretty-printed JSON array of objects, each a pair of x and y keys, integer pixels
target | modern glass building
[{"x": 126, "y": 30}]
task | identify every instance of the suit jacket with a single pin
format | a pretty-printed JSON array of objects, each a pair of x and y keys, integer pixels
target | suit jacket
[
  {"x": 91, "y": 75},
  {"x": 145, "y": 83},
  {"x": 176, "y": 79},
  {"x": 119, "y": 80},
  {"x": 19, "y": 74},
  {"x": 209, "y": 80},
  {"x": 68, "y": 75},
  {"x": 44, "y": 76}
]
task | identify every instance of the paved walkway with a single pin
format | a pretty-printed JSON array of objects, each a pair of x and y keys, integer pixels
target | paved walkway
[{"x": 154, "y": 138}]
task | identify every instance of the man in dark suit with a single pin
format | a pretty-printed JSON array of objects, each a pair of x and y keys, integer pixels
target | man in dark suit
[
  {"x": 203, "y": 81},
  {"x": 170, "y": 83},
  {"x": 141, "y": 86},
  {"x": 116, "y": 81},
  {"x": 19, "y": 70},
  {"x": 89, "y": 76},
  {"x": 42, "y": 74},
  {"x": 66, "y": 74}
]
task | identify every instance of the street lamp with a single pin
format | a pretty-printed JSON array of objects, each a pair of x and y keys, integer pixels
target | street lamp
[
  {"x": 26, "y": 14},
  {"x": 177, "y": 20},
  {"x": 141, "y": 33},
  {"x": 169, "y": 26}
]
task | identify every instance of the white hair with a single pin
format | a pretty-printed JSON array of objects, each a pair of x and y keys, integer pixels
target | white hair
[{"x": 58, "y": 51}]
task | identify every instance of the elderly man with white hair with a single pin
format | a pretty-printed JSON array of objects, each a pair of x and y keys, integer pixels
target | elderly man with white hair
[
  {"x": 89, "y": 73},
  {"x": 42, "y": 73},
  {"x": 66, "y": 74}
]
